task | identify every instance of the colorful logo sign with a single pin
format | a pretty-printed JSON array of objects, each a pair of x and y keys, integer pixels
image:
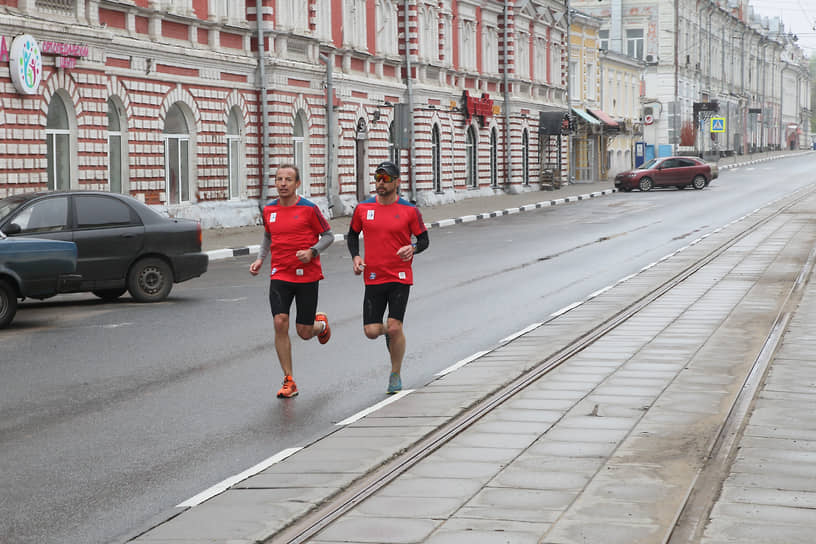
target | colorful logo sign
[{"x": 25, "y": 64}]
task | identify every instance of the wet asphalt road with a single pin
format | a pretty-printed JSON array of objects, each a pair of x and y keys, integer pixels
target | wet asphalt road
[{"x": 113, "y": 413}]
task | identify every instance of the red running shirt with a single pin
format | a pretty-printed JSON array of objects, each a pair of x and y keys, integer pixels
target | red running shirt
[
  {"x": 386, "y": 228},
  {"x": 291, "y": 229}
]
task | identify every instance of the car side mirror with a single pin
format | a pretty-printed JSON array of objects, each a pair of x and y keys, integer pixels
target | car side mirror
[{"x": 12, "y": 229}]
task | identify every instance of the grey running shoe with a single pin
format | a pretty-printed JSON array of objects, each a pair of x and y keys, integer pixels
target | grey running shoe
[{"x": 394, "y": 383}]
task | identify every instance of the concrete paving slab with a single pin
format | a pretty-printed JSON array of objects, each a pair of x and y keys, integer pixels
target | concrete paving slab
[
  {"x": 509, "y": 426},
  {"x": 520, "y": 477},
  {"x": 408, "y": 507},
  {"x": 410, "y": 485},
  {"x": 461, "y": 530},
  {"x": 322, "y": 480},
  {"x": 588, "y": 422},
  {"x": 770, "y": 497},
  {"x": 520, "y": 414},
  {"x": 377, "y": 530},
  {"x": 456, "y": 469},
  {"x": 573, "y": 449},
  {"x": 239, "y": 515},
  {"x": 740, "y": 530},
  {"x": 495, "y": 440},
  {"x": 592, "y": 435},
  {"x": 606, "y": 532},
  {"x": 467, "y": 453}
]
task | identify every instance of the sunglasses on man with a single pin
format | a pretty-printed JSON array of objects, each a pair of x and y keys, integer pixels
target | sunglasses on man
[{"x": 385, "y": 178}]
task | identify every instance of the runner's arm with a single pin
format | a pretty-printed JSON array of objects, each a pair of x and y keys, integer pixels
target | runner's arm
[
  {"x": 353, "y": 242},
  {"x": 326, "y": 239},
  {"x": 263, "y": 252},
  {"x": 422, "y": 242}
]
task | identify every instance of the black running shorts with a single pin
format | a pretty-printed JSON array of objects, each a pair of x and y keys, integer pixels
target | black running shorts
[
  {"x": 281, "y": 294},
  {"x": 377, "y": 297}
]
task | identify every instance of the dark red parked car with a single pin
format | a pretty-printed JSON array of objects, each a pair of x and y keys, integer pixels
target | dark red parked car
[{"x": 668, "y": 172}]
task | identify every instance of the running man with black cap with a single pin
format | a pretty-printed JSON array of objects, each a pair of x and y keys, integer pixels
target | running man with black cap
[
  {"x": 387, "y": 222},
  {"x": 295, "y": 232}
]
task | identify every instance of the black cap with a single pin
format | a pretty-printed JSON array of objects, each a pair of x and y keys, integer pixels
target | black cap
[{"x": 389, "y": 168}]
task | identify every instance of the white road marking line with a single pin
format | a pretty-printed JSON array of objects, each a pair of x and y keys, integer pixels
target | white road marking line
[
  {"x": 229, "y": 482},
  {"x": 600, "y": 291},
  {"x": 361, "y": 414},
  {"x": 460, "y": 364},
  {"x": 566, "y": 309},
  {"x": 523, "y": 331}
]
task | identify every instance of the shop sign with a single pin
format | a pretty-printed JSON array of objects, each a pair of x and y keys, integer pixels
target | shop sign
[
  {"x": 479, "y": 107},
  {"x": 66, "y": 53},
  {"x": 25, "y": 62}
]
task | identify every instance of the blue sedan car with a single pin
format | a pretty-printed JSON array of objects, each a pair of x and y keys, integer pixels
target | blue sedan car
[{"x": 35, "y": 268}]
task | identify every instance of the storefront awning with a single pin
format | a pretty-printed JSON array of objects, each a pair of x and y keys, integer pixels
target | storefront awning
[
  {"x": 604, "y": 118},
  {"x": 550, "y": 122},
  {"x": 586, "y": 117}
]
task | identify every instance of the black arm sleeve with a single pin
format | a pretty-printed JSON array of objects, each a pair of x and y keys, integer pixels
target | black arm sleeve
[
  {"x": 422, "y": 243},
  {"x": 353, "y": 242}
]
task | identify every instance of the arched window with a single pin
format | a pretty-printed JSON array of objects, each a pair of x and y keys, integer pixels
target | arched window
[
  {"x": 393, "y": 144},
  {"x": 176, "y": 156},
  {"x": 234, "y": 153},
  {"x": 494, "y": 158},
  {"x": 525, "y": 156},
  {"x": 436, "y": 157},
  {"x": 470, "y": 152},
  {"x": 117, "y": 149},
  {"x": 58, "y": 145},
  {"x": 300, "y": 151}
]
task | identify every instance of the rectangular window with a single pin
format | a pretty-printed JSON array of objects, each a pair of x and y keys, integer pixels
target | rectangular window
[
  {"x": 603, "y": 40},
  {"x": 634, "y": 42}
]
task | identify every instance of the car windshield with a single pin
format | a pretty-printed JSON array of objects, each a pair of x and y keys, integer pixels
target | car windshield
[
  {"x": 648, "y": 164},
  {"x": 9, "y": 204}
]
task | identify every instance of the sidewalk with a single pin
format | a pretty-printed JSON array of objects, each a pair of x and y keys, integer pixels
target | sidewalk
[{"x": 601, "y": 451}]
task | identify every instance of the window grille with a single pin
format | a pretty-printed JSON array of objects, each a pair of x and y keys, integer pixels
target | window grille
[{"x": 55, "y": 6}]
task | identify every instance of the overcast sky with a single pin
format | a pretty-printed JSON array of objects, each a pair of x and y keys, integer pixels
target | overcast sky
[{"x": 799, "y": 17}]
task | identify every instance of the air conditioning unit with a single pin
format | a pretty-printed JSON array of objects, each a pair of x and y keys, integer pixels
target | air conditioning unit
[{"x": 651, "y": 59}]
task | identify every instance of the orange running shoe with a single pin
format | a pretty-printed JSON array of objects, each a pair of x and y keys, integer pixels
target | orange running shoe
[
  {"x": 289, "y": 388},
  {"x": 324, "y": 336}
]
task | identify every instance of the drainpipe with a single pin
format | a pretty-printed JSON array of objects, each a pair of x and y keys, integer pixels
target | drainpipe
[
  {"x": 410, "y": 88},
  {"x": 507, "y": 152},
  {"x": 569, "y": 99},
  {"x": 329, "y": 60},
  {"x": 264, "y": 106}
]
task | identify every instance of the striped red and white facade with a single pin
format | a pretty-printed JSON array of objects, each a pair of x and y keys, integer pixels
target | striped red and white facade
[{"x": 164, "y": 101}]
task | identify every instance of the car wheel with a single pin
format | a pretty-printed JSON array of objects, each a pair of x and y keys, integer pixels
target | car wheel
[
  {"x": 680, "y": 187},
  {"x": 698, "y": 182},
  {"x": 8, "y": 303},
  {"x": 110, "y": 294},
  {"x": 150, "y": 280},
  {"x": 645, "y": 184}
]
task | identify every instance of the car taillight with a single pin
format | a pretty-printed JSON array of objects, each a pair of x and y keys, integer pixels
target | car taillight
[{"x": 200, "y": 236}]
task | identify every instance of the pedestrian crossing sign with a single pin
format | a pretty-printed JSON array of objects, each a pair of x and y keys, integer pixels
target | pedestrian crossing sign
[{"x": 718, "y": 124}]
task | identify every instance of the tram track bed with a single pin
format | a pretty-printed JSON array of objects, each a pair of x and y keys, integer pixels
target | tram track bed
[{"x": 592, "y": 427}]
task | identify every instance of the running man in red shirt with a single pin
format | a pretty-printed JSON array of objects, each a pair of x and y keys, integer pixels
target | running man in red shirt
[
  {"x": 387, "y": 223},
  {"x": 295, "y": 232}
]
